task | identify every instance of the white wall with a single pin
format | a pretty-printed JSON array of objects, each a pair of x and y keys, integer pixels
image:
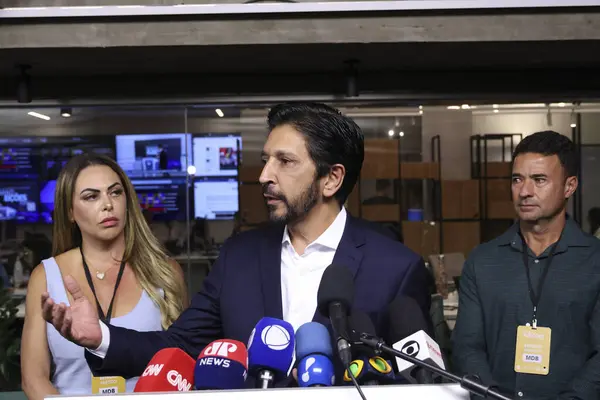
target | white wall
[{"x": 454, "y": 127}]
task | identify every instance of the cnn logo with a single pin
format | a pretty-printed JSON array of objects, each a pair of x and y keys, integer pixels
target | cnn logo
[{"x": 220, "y": 349}]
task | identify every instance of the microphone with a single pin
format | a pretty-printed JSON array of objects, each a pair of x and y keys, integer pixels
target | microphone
[
  {"x": 367, "y": 367},
  {"x": 270, "y": 351},
  {"x": 370, "y": 371},
  {"x": 313, "y": 349},
  {"x": 170, "y": 370},
  {"x": 223, "y": 364},
  {"x": 316, "y": 370},
  {"x": 334, "y": 299},
  {"x": 408, "y": 333}
]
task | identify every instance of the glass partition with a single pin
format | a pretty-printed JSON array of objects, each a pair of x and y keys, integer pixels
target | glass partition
[{"x": 436, "y": 177}]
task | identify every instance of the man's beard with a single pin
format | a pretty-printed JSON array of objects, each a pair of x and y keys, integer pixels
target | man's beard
[{"x": 295, "y": 209}]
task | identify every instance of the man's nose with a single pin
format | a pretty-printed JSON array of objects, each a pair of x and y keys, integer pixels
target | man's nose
[
  {"x": 526, "y": 189},
  {"x": 266, "y": 175}
]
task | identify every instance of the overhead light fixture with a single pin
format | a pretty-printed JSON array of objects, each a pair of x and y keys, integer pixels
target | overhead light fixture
[
  {"x": 496, "y": 110},
  {"x": 453, "y": 107},
  {"x": 421, "y": 112},
  {"x": 401, "y": 133},
  {"x": 573, "y": 118},
  {"x": 219, "y": 113},
  {"x": 420, "y": 107},
  {"x": 549, "y": 116},
  {"x": 66, "y": 112},
  {"x": 495, "y": 106},
  {"x": 465, "y": 106},
  {"x": 391, "y": 132},
  {"x": 191, "y": 170},
  {"x": 38, "y": 115},
  {"x": 561, "y": 104}
]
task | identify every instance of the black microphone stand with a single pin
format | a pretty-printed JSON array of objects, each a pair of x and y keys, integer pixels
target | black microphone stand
[{"x": 465, "y": 382}]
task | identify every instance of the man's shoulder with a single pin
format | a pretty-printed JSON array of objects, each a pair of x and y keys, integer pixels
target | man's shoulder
[
  {"x": 253, "y": 237},
  {"x": 487, "y": 250},
  {"x": 381, "y": 244}
]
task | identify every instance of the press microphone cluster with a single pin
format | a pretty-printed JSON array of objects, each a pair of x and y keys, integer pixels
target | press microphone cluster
[{"x": 414, "y": 364}]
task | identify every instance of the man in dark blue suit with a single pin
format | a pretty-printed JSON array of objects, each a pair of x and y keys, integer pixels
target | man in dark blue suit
[{"x": 312, "y": 159}]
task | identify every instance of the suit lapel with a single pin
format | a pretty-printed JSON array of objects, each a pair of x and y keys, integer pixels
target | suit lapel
[
  {"x": 348, "y": 254},
  {"x": 270, "y": 272}
]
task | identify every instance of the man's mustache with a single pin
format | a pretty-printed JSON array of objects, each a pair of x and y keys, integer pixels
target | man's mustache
[{"x": 268, "y": 192}]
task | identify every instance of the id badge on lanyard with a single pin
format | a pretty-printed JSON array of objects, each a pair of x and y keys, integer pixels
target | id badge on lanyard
[
  {"x": 105, "y": 384},
  {"x": 532, "y": 354}
]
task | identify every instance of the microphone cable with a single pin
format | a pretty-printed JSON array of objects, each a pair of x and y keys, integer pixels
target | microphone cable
[{"x": 355, "y": 383}]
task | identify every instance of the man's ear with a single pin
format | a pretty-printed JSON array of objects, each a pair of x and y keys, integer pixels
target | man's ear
[
  {"x": 332, "y": 182},
  {"x": 571, "y": 186}
]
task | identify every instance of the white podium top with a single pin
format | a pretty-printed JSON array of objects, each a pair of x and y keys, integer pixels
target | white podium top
[{"x": 420, "y": 392}]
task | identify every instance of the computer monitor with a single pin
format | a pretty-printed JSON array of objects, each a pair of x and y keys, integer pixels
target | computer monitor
[
  {"x": 216, "y": 197},
  {"x": 19, "y": 201},
  {"x": 153, "y": 155},
  {"x": 217, "y": 154},
  {"x": 164, "y": 199}
]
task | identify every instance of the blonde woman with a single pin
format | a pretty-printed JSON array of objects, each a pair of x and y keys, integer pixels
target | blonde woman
[{"x": 101, "y": 241}]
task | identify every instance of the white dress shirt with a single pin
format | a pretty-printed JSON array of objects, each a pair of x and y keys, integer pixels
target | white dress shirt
[
  {"x": 300, "y": 277},
  {"x": 301, "y": 274}
]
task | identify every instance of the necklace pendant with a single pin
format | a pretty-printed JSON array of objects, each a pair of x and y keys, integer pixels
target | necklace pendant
[{"x": 100, "y": 275}]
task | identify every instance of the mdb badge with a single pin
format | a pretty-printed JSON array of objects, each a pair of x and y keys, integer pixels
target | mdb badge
[
  {"x": 108, "y": 384},
  {"x": 533, "y": 350}
]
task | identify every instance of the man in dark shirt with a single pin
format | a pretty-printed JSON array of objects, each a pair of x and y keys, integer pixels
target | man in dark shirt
[{"x": 529, "y": 298}]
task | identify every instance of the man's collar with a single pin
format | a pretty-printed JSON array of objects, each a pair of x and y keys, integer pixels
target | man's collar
[
  {"x": 331, "y": 237},
  {"x": 572, "y": 236}
]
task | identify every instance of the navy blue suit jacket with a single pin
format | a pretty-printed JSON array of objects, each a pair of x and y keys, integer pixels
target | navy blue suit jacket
[{"x": 244, "y": 285}]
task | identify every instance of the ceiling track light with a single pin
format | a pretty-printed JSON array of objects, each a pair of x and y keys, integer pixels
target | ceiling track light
[{"x": 66, "y": 112}]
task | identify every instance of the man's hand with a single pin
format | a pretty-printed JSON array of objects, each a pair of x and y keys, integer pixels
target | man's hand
[{"x": 78, "y": 323}]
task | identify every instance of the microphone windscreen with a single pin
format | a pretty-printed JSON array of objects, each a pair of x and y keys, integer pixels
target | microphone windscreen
[
  {"x": 337, "y": 285},
  {"x": 406, "y": 318},
  {"x": 316, "y": 370},
  {"x": 170, "y": 370},
  {"x": 360, "y": 322},
  {"x": 271, "y": 347},
  {"x": 223, "y": 364},
  {"x": 313, "y": 338}
]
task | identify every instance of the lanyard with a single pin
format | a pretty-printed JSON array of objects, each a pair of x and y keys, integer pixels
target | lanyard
[
  {"x": 535, "y": 297},
  {"x": 104, "y": 318}
]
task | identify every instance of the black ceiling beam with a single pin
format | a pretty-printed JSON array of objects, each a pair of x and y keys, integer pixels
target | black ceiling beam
[{"x": 463, "y": 84}]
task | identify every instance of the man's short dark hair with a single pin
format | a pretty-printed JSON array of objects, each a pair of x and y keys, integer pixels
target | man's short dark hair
[
  {"x": 331, "y": 138},
  {"x": 549, "y": 143}
]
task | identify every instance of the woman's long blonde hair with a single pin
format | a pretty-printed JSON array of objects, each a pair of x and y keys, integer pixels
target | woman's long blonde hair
[{"x": 143, "y": 252}]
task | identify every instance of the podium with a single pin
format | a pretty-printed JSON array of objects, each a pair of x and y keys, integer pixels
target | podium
[{"x": 389, "y": 392}]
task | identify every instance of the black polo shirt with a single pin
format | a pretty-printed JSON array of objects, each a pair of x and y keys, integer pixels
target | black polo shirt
[{"x": 494, "y": 300}]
